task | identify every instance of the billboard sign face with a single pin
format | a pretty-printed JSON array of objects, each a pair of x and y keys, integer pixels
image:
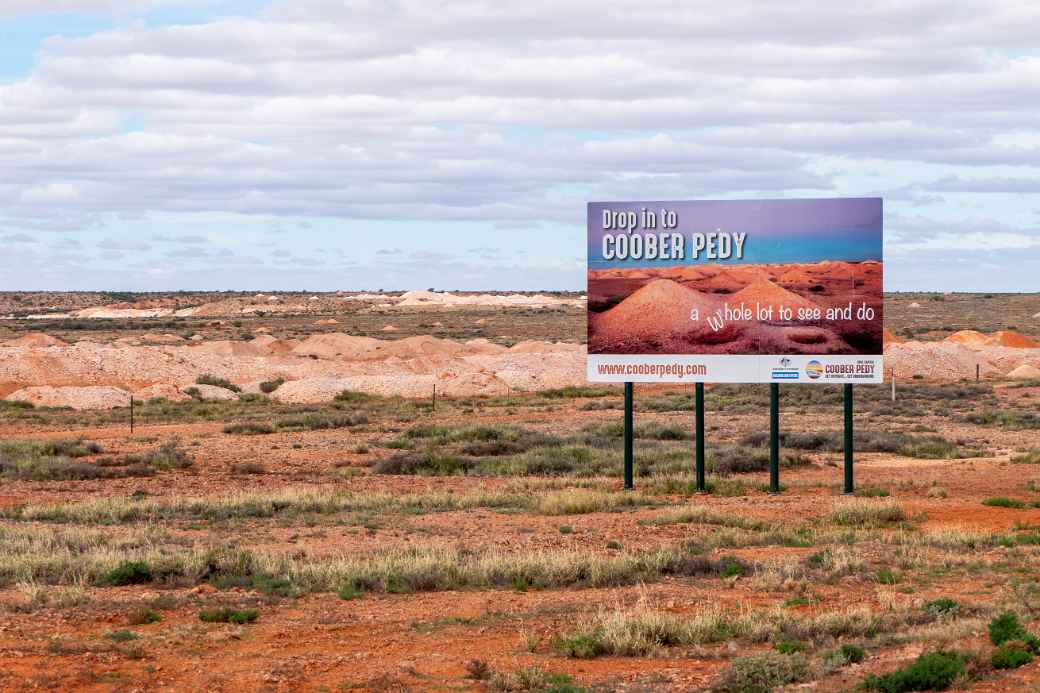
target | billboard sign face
[{"x": 752, "y": 291}]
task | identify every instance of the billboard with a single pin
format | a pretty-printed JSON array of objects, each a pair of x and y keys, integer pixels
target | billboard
[{"x": 752, "y": 291}]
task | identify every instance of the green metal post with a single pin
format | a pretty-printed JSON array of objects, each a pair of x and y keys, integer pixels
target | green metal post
[
  {"x": 848, "y": 438},
  {"x": 628, "y": 437},
  {"x": 699, "y": 409},
  {"x": 774, "y": 437}
]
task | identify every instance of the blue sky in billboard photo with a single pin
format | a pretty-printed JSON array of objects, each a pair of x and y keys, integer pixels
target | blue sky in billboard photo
[
  {"x": 770, "y": 231},
  {"x": 365, "y": 144}
]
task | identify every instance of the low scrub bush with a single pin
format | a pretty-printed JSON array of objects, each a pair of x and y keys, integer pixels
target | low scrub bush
[
  {"x": 867, "y": 513},
  {"x": 129, "y": 573},
  {"x": 1011, "y": 655},
  {"x": 932, "y": 671},
  {"x": 1006, "y": 628},
  {"x": 1031, "y": 457},
  {"x": 209, "y": 379},
  {"x": 1004, "y": 502},
  {"x": 269, "y": 386},
  {"x": 319, "y": 422},
  {"x": 249, "y": 428},
  {"x": 226, "y": 615},
  {"x": 762, "y": 672}
]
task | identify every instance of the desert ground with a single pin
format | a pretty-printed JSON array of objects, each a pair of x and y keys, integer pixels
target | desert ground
[{"x": 295, "y": 510}]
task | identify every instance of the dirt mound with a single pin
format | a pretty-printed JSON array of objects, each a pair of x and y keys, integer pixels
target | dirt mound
[
  {"x": 969, "y": 338},
  {"x": 438, "y": 299},
  {"x": 767, "y": 294},
  {"x": 662, "y": 307},
  {"x": 1002, "y": 338},
  {"x": 320, "y": 365},
  {"x": 163, "y": 390},
  {"x": 34, "y": 340},
  {"x": 890, "y": 337},
  {"x": 336, "y": 345},
  {"x": 796, "y": 277},
  {"x": 266, "y": 344},
  {"x": 326, "y": 321},
  {"x": 86, "y": 397},
  {"x": 214, "y": 393},
  {"x": 1014, "y": 339},
  {"x": 937, "y": 361},
  {"x": 1025, "y": 372},
  {"x": 117, "y": 313}
]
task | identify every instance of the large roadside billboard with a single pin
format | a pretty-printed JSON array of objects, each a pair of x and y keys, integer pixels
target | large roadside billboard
[{"x": 753, "y": 291}]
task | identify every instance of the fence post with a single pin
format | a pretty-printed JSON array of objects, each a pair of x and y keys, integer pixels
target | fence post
[
  {"x": 628, "y": 437},
  {"x": 774, "y": 438},
  {"x": 131, "y": 414},
  {"x": 699, "y": 415},
  {"x": 433, "y": 405},
  {"x": 849, "y": 445}
]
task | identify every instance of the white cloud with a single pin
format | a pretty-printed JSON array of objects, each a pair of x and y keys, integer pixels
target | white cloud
[{"x": 514, "y": 114}]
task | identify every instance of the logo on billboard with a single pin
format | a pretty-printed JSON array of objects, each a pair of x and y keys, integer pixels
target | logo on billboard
[
  {"x": 814, "y": 369},
  {"x": 785, "y": 371}
]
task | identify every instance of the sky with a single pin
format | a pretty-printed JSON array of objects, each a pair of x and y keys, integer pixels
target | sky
[
  {"x": 159, "y": 145},
  {"x": 770, "y": 231}
]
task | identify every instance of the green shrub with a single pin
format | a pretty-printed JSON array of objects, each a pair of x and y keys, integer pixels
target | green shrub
[
  {"x": 1006, "y": 627},
  {"x": 1011, "y": 655},
  {"x": 943, "y": 606},
  {"x": 582, "y": 645},
  {"x": 169, "y": 455},
  {"x": 143, "y": 617},
  {"x": 886, "y": 576},
  {"x": 226, "y": 615},
  {"x": 932, "y": 671},
  {"x": 128, "y": 573},
  {"x": 762, "y": 672},
  {"x": 1004, "y": 502},
  {"x": 871, "y": 492},
  {"x": 249, "y": 428},
  {"x": 352, "y": 396},
  {"x": 269, "y": 386},
  {"x": 320, "y": 422},
  {"x": 843, "y": 656},
  {"x": 789, "y": 647},
  {"x": 122, "y": 635},
  {"x": 208, "y": 379},
  {"x": 1031, "y": 457},
  {"x": 350, "y": 590}
]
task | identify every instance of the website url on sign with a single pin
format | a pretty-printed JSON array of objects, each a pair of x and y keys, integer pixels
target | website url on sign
[{"x": 661, "y": 370}]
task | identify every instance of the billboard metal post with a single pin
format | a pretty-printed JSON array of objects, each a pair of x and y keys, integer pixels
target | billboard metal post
[
  {"x": 848, "y": 439},
  {"x": 699, "y": 413},
  {"x": 628, "y": 437},
  {"x": 774, "y": 438}
]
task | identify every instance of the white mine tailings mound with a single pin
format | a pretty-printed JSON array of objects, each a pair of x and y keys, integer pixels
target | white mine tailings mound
[
  {"x": 1000, "y": 354},
  {"x": 437, "y": 299},
  {"x": 87, "y": 375},
  {"x": 90, "y": 397}
]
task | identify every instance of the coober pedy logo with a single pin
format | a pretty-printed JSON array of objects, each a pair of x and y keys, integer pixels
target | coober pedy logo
[{"x": 814, "y": 369}]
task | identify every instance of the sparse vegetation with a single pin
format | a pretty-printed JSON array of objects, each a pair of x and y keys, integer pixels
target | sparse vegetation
[
  {"x": 208, "y": 379},
  {"x": 933, "y": 671},
  {"x": 226, "y": 615},
  {"x": 867, "y": 513}
]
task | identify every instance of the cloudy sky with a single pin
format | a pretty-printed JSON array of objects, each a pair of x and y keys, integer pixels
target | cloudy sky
[{"x": 320, "y": 144}]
